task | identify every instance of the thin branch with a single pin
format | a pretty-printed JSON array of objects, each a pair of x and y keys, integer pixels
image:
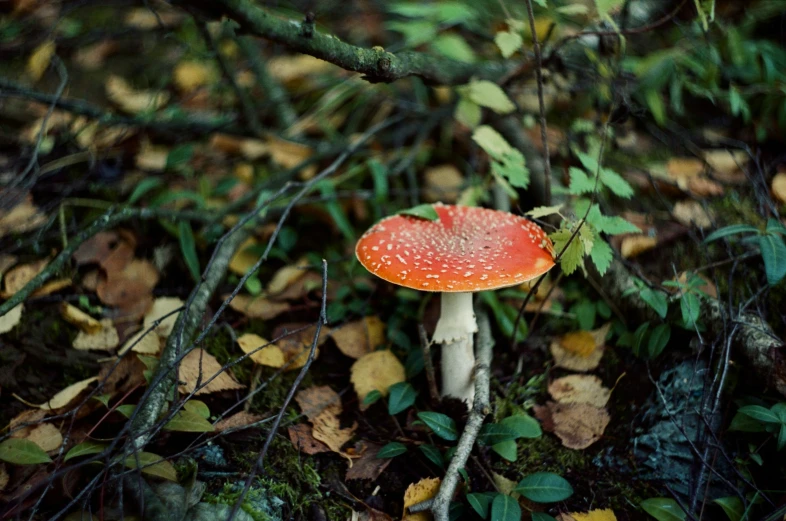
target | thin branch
[{"x": 428, "y": 364}]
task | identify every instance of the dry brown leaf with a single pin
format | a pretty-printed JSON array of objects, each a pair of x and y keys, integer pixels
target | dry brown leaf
[
  {"x": 289, "y": 154},
  {"x": 17, "y": 277},
  {"x": 691, "y": 213},
  {"x": 368, "y": 466},
  {"x": 67, "y": 395},
  {"x": 245, "y": 257},
  {"x": 22, "y": 218},
  {"x": 257, "y": 307},
  {"x": 726, "y": 163},
  {"x": 39, "y": 60},
  {"x": 327, "y": 429},
  {"x": 580, "y": 388},
  {"x": 53, "y": 286},
  {"x": 301, "y": 287},
  {"x": 442, "y": 183},
  {"x": 92, "y": 57},
  {"x": 143, "y": 342},
  {"x": 29, "y": 418},
  {"x": 241, "y": 419},
  {"x": 603, "y": 514},
  {"x": 190, "y": 75},
  {"x": 133, "y": 101},
  {"x": 419, "y": 492},
  {"x": 633, "y": 245},
  {"x": 286, "y": 276},
  {"x": 703, "y": 187},
  {"x": 11, "y": 319},
  {"x": 297, "y": 346},
  {"x": 4, "y": 477},
  {"x": 151, "y": 158},
  {"x": 683, "y": 169},
  {"x": 79, "y": 318},
  {"x": 301, "y": 437},
  {"x": 164, "y": 308},
  {"x": 318, "y": 399},
  {"x": 270, "y": 355},
  {"x": 578, "y": 425},
  {"x": 6, "y": 261},
  {"x": 376, "y": 371},
  {"x": 46, "y": 436},
  {"x": 98, "y": 248},
  {"x": 133, "y": 283},
  {"x": 708, "y": 287},
  {"x": 199, "y": 366},
  {"x": 779, "y": 186},
  {"x": 580, "y": 350},
  {"x": 106, "y": 339},
  {"x": 360, "y": 337},
  {"x": 289, "y": 68}
]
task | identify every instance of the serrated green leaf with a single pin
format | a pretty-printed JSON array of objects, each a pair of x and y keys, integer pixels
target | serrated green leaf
[
  {"x": 505, "y": 508},
  {"x": 544, "y": 487},
  {"x": 86, "y": 448},
  {"x": 391, "y": 450},
  {"x": 421, "y": 211},
  {"x": 197, "y": 407},
  {"x": 733, "y": 507},
  {"x": 402, "y": 395},
  {"x": 580, "y": 182},
  {"x": 663, "y": 509},
  {"x": 152, "y": 465},
  {"x": 22, "y": 452},
  {"x": 188, "y": 249},
  {"x": 490, "y": 95},
  {"x": 433, "y": 454},
  {"x": 773, "y": 251},
  {"x": 508, "y": 42},
  {"x": 491, "y": 142},
  {"x": 187, "y": 421},
  {"x": 523, "y": 425},
  {"x": 506, "y": 449},
  {"x": 616, "y": 183},
  {"x": 442, "y": 425},
  {"x": 571, "y": 253},
  {"x": 543, "y": 211},
  {"x": 601, "y": 256}
]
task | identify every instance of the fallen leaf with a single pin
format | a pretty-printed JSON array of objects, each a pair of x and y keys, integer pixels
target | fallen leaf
[
  {"x": 270, "y": 355},
  {"x": 6, "y": 261},
  {"x": 708, "y": 287},
  {"x": 24, "y": 422},
  {"x": 360, "y": 337},
  {"x": 286, "y": 276},
  {"x": 419, "y": 492},
  {"x": 151, "y": 158},
  {"x": 39, "y": 60},
  {"x": 578, "y": 425},
  {"x": 327, "y": 429},
  {"x": 240, "y": 419},
  {"x": 201, "y": 368},
  {"x": 53, "y": 286},
  {"x": 580, "y": 350},
  {"x": 79, "y": 318},
  {"x": 604, "y": 514},
  {"x": 703, "y": 187},
  {"x": 504, "y": 485},
  {"x": 23, "y": 217},
  {"x": 4, "y": 477},
  {"x": 580, "y": 388},
  {"x": 318, "y": 399},
  {"x": 301, "y": 287},
  {"x": 245, "y": 257},
  {"x": 289, "y": 68},
  {"x": 131, "y": 100},
  {"x": 726, "y": 164},
  {"x": 92, "y": 57},
  {"x": 297, "y": 346},
  {"x": 633, "y": 245},
  {"x": 17, "y": 277},
  {"x": 290, "y": 154},
  {"x": 46, "y": 436},
  {"x": 105, "y": 339},
  {"x": 143, "y": 342},
  {"x": 442, "y": 183},
  {"x": 257, "y": 307},
  {"x": 376, "y": 371},
  {"x": 301, "y": 437},
  {"x": 67, "y": 395},
  {"x": 11, "y": 319},
  {"x": 100, "y": 247},
  {"x": 691, "y": 213},
  {"x": 190, "y": 75},
  {"x": 779, "y": 186},
  {"x": 166, "y": 309},
  {"x": 134, "y": 282},
  {"x": 683, "y": 169},
  {"x": 146, "y": 19},
  {"x": 368, "y": 466}
]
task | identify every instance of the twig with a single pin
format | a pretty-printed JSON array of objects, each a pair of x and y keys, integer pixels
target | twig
[
  {"x": 440, "y": 505},
  {"x": 428, "y": 364}
]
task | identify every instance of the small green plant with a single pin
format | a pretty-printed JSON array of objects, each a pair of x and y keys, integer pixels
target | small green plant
[{"x": 769, "y": 241}]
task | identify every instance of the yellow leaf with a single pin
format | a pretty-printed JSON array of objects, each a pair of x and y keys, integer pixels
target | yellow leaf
[
  {"x": 46, "y": 436},
  {"x": 165, "y": 309},
  {"x": 270, "y": 355},
  {"x": 416, "y": 493},
  {"x": 604, "y": 514},
  {"x": 191, "y": 75},
  {"x": 286, "y": 276},
  {"x": 39, "y": 60},
  {"x": 200, "y": 368},
  {"x": 17, "y": 277},
  {"x": 257, "y": 307},
  {"x": 131, "y": 100},
  {"x": 376, "y": 371},
  {"x": 11, "y": 319},
  {"x": 580, "y": 350},
  {"x": 633, "y": 245},
  {"x": 244, "y": 258},
  {"x": 67, "y": 395},
  {"x": 105, "y": 339},
  {"x": 357, "y": 338},
  {"x": 144, "y": 342},
  {"x": 779, "y": 186},
  {"x": 79, "y": 318}
]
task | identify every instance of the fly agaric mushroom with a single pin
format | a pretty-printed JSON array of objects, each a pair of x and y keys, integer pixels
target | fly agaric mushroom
[{"x": 465, "y": 250}]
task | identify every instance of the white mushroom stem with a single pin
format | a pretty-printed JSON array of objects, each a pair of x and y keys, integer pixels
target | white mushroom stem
[{"x": 454, "y": 331}]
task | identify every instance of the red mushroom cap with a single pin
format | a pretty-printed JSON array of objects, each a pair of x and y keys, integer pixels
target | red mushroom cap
[{"x": 467, "y": 249}]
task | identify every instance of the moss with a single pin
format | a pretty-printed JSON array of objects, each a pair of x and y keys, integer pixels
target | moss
[{"x": 258, "y": 503}]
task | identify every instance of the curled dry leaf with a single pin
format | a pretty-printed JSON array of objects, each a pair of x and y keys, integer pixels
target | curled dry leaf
[
  {"x": 143, "y": 342},
  {"x": 297, "y": 346},
  {"x": 580, "y": 350},
  {"x": 67, "y": 395},
  {"x": 287, "y": 276},
  {"x": 779, "y": 186},
  {"x": 11, "y": 319},
  {"x": 24, "y": 422},
  {"x": 376, "y": 371},
  {"x": 133, "y": 101},
  {"x": 23, "y": 217},
  {"x": 580, "y": 388},
  {"x": 442, "y": 183},
  {"x": 166, "y": 310},
  {"x": 200, "y": 368},
  {"x": 327, "y": 429},
  {"x": 241, "y": 419},
  {"x": 360, "y": 337},
  {"x": 416, "y": 493},
  {"x": 270, "y": 355},
  {"x": 368, "y": 466},
  {"x": 691, "y": 213},
  {"x": 17, "y": 277},
  {"x": 577, "y": 425},
  {"x": 257, "y": 307},
  {"x": 634, "y": 245},
  {"x": 105, "y": 339},
  {"x": 53, "y": 286},
  {"x": 79, "y": 318},
  {"x": 132, "y": 284},
  {"x": 301, "y": 437}
]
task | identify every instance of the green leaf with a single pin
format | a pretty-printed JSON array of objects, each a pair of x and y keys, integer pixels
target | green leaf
[
  {"x": 468, "y": 112},
  {"x": 442, "y": 425},
  {"x": 663, "y": 509},
  {"x": 734, "y": 229},
  {"x": 22, "y": 452},
  {"x": 197, "y": 407},
  {"x": 433, "y": 454},
  {"x": 773, "y": 251},
  {"x": 585, "y": 312},
  {"x": 187, "y": 421},
  {"x": 391, "y": 450},
  {"x": 126, "y": 409},
  {"x": 508, "y": 42},
  {"x": 572, "y": 253},
  {"x": 744, "y": 423},
  {"x": 481, "y": 502},
  {"x": 86, "y": 448},
  {"x": 655, "y": 103},
  {"x": 335, "y": 210},
  {"x": 507, "y": 449},
  {"x": 505, "y": 508},
  {"x": 179, "y": 155},
  {"x": 616, "y": 183},
  {"x": 605, "y": 7},
  {"x": 371, "y": 398},
  {"x": 656, "y": 299},
  {"x": 775, "y": 226},
  {"x": 733, "y": 507},
  {"x": 609, "y": 224},
  {"x": 507, "y": 162},
  {"x": 494, "y": 433},
  {"x": 659, "y": 337},
  {"x": 402, "y": 395},
  {"x": 544, "y": 487},
  {"x": 690, "y": 307},
  {"x": 454, "y": 46},
  {"x": 152, "y": 465},
  {"x": 543, "y": 211},
  {"x": 762, "y": 414},
  {"x": 782, "y": 437},
  {"x": 188, "y": 248},
  {"x": 523, "y": 425},
  {"x": 580, "y": 182},
  {"x": 490, "y": 95},
  {"x": 601, "y": 255},
  {"x": 144, "y": 186},
  {"x": 422, "y": 211}
]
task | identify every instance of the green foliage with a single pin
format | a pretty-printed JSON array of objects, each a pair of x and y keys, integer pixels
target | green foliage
[
  {"x": 770, "y": 242},
  {"x": 402, "y": 396},
  {"x": 188, "y": 249},
  {"x": 20, "y": 451},
  {"x": 442, "y": 425},
  {"x": 544, "y": 487},
  {"x": 188, "y": 421},
  {"x": 86, "y": 448},
  {"x": 753, "y": 418},
  {"x": 507, "y": 162},
  {"x": 663, "y": 509},
  {"x": 391, "y": 450},
  {"x": 422, "y": 211},
  {"x": 505, "y": 508}
]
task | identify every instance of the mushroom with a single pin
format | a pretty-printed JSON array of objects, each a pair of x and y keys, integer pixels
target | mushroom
[{"x": 465, "y": 250}]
